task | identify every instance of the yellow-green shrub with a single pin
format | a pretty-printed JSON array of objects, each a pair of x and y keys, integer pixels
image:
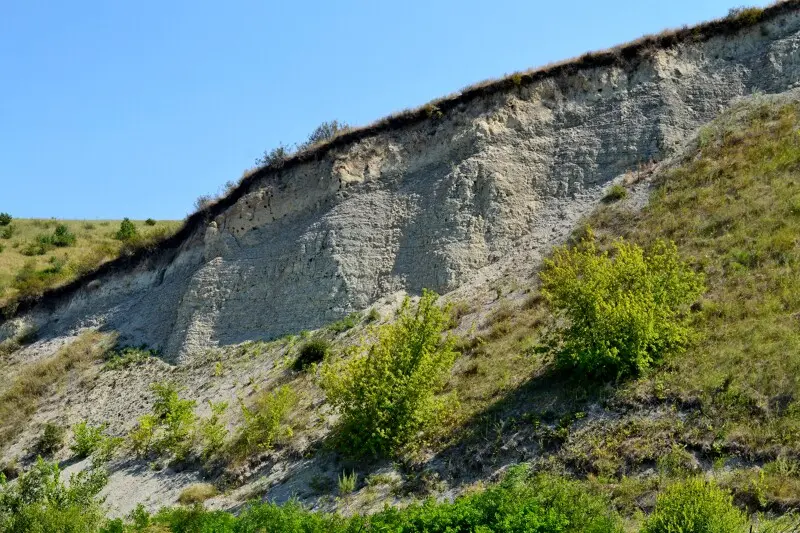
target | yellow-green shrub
[
  {"x": 386, "y": 392},
  {"x": 622, "y": 311},
  {"x": 696, "y": 506}
]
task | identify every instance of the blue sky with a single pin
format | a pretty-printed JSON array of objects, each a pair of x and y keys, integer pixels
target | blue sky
[{"x": 113, "y": 109}]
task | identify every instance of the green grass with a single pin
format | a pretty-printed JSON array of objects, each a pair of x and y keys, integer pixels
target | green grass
[
  {"x": 736, "y": 211},
  {"x": 94, "y": 245}
]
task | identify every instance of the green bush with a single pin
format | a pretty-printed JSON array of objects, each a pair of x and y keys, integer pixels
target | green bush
[
  {"x": 127, "y": 231},
  {"x": 615, "y": 193},
  {"x": 386, "y": 392},
  {"x": 62, "y": 236},
  {"x": 169, "y": 429},
  {"x": 624, "y": 311},
  {"x": 150, "y": 222},
  {"x": 313, "y": 351},
  {"x": 695, "y": 506},
  {"x": 212, "y": 432},
  {"x": 8, "y": 231},
  {"x": 124, "y": 357},
  {"x": 265, "y": 421},
  {"x": 51, "y": 440},
  {"x": 5, "y": 219},
  {"x": 40, "y": 502},
  {"x": 87, "y": 438}
]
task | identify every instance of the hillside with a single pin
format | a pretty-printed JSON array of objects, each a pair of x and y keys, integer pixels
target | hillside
[
  {"x": 31, "y": 263},
  {"x": 724, "y": 407},
  {"x": 615, "y": 347}
]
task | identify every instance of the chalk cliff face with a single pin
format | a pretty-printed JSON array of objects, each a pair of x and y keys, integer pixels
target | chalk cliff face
[{"x": 427, "y": 205}]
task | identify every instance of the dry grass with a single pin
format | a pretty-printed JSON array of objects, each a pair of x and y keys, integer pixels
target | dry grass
[
  {"x": 23, "y": 391},
  {"x": 95, "y": 245},
  {"x": 197, "y": 493}
]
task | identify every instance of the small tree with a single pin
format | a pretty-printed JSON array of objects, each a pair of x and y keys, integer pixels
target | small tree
[
  {"x": 695, "y": 505},
  {"x": 62, "y": 236},
  {"x": 386, "y": 392},
  {"x": 622, "y": 312},
  {"x": 127, "y": 230},
  {"x": 5, "y": 219}
]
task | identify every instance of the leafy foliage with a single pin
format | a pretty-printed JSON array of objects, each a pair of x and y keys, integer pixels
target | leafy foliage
[
  {"x": 625, "y": 311},
  {"x": 40, "y": 502},
  {"x": 265, "y": 421},
  {"x": 150, "y": 222},
  {"x": 62, "y": 236},
  {"x": 92, "y": 440},
  {"x": 169, "y": 428},
  {"x": 5, "y": 219},
  {"x": 386, "y": 392},
  {"x": 127, "y": 230},
  {"x": 540, "y": 504},
  {"x": 51, "y": 440},
  {"x": 212, "y": 432},
  {"x": 697, "y": 506}
]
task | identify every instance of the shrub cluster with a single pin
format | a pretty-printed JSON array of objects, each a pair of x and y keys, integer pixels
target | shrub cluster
[
  {"x": 173, "y": 429},
  {"x": 92, "y": 440},
  {"x": 5, "y": 219},
  {"x": 387, "y": 392},
  {"x": 39, "y": 501},
  {"x": 265, "y": 421},
  {"x": 521, "y": 503},
  {"x": 168, "y": 429},
  {"x": 624, "y": 311},
  {"x": 51, "y": 440},
  {"x": 313, "y": 351}
]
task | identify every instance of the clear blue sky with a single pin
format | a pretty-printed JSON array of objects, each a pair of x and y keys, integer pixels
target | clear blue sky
[{"x": 113, "y": 108}]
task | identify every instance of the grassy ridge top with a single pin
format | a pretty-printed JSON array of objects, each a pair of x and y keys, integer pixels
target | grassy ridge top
[{"x": 29, "y": 265}]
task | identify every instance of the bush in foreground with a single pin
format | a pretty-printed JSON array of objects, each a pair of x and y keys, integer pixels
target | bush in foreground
[
  {"x": 387, "y": 392},
  {"x": 624, "y": 310},
  {"x": 40, "y": 502},
  {"x": 695, "y": 506}
]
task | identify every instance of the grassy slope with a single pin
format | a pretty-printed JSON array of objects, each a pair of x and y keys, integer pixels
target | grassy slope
[
  {"x": 730, "y": 404},
  {"x": 95, "y": 245},
  {"x": 733, "y": 396}
]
